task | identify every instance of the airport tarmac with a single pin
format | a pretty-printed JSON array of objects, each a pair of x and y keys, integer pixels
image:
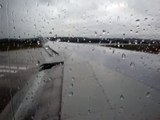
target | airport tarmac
[{"x": 93, "y": 83}]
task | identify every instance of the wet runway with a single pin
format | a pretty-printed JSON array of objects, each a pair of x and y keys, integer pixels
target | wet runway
[
  {"x": 108, "y": 83},
  {"x": 94, "y": 82}
]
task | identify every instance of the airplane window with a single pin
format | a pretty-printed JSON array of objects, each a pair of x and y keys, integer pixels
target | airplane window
[{"x": 79, "y": 60}]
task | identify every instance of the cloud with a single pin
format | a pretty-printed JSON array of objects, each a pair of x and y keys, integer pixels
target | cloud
[{"x": 83, "y": 18}]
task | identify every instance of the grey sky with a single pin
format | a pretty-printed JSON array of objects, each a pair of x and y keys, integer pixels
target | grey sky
[{"x": 28, "y": 18}]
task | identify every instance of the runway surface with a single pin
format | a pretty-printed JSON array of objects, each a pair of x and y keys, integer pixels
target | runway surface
[{"x": 93, "y": 83}]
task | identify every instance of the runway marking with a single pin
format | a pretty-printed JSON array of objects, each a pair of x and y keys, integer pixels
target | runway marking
[
  {"x": 11, "y": 69},
  {"x": 8, "y": 71},
  {"x": 22, "y": 68}
]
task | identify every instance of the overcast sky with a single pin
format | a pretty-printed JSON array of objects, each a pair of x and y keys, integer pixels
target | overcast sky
[{"x": 89, "y": 18}]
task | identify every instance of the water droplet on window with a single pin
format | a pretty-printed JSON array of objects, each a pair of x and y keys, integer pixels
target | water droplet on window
[
  {"x": 22, "y": 20},
  {"x": 70, "y": 94},
  {"x": 108, "y": 33},
  {"x": 148, "y": 94},
  {"x": 137, "y": 20},
  {"x": 48, "y": 4},
  {"x": 70, "y": 69},
  {"x": 89, "y": 111},
  {"x": 37, "y": 4},
  {"x": 46, "y": 47},
  {"x": 55, "y": 36},
  {"x": 132, "y": 65},
  {"x": 71, "y": 85},
  {"x": 1, "y": 6},
  {"x": 38, "y": 63},
  {"x": 131, "y": 31},
  {"x": 123, "y": 36},
  {"x": 158, "y": 69},
  {"x": 113, "y": 51},
  {"x": 121, "y": 97},
  {"x": 73, "y": 78},
  {"x": 123, "y": 56},
  {"x": 95, "y": 33},
  {"x": 14, "y": 28},
  {"x": 146, "y": 10},
  {"x": 26, "y": 98},
  {"x": 137, "y": 26},
  {"x": 35, "y": 26},
  {"x": 135, "y": 42},
  {"x": 104, "y": 32},
  {"x": 38, "y": 42},
  {"x": 118, "y": 44},
  {"x": 121, "y": 108},
  {"x": 58, "y": 40},
  {"x": 93, "y": 49},
  {"x": 149, "y": 25},
  {"x": 145, "y": 18},
  {"x": 49, "y": 79}
]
